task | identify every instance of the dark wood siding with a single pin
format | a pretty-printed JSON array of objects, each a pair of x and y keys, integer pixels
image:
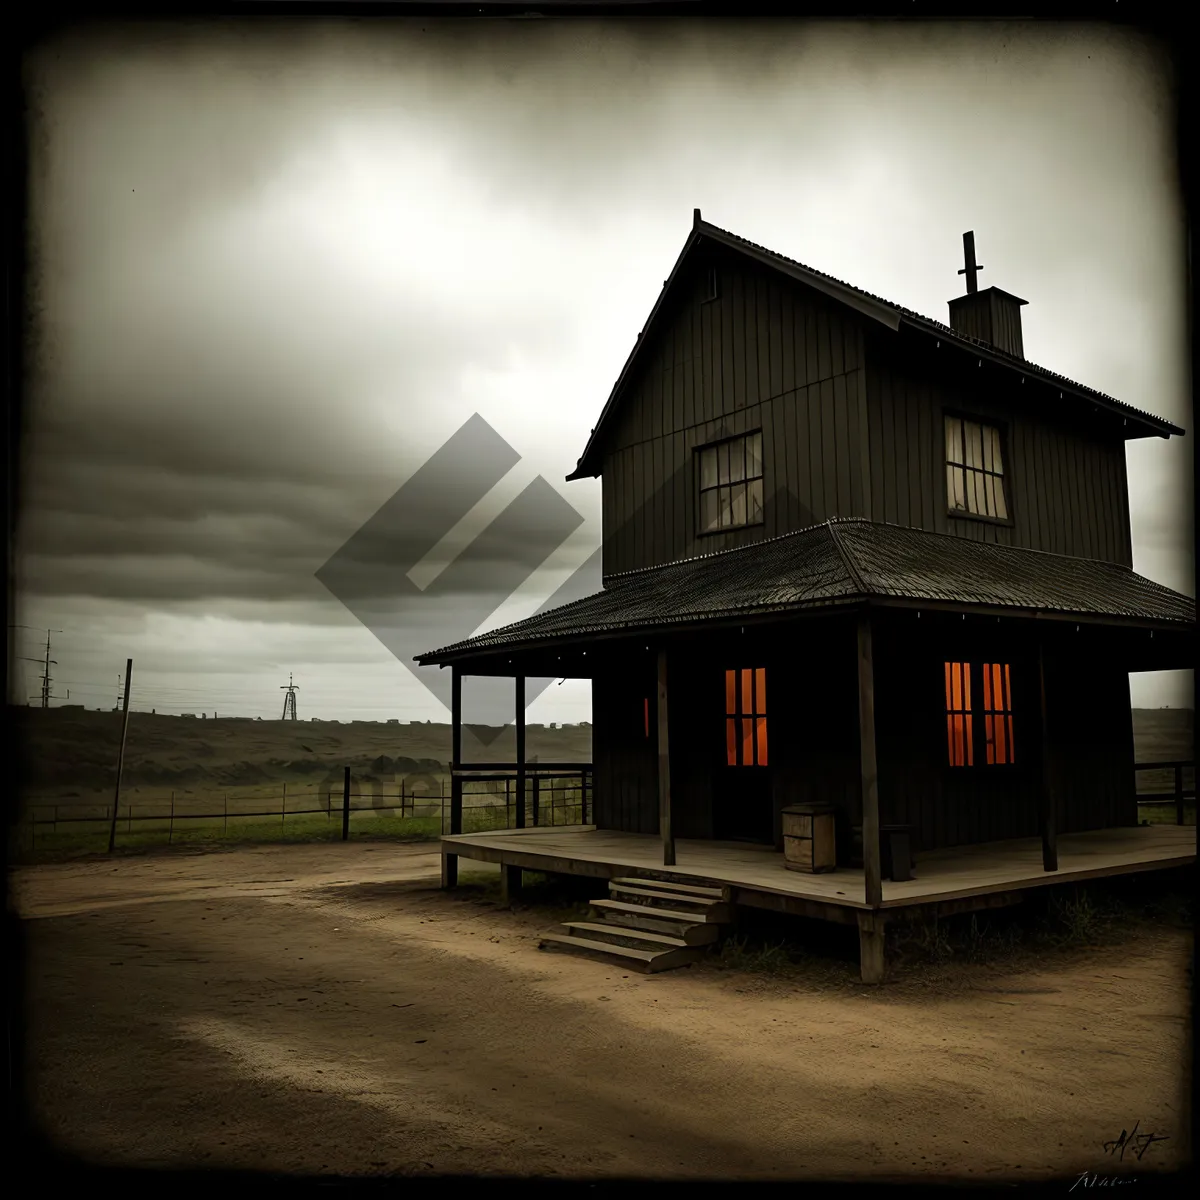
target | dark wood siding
[
  {"x": 764, "y": 355},
  {"x": 1066, "y": 484}
]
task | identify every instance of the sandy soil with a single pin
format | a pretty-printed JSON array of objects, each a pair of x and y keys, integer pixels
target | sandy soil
[{"x": 324, "y": 1009}]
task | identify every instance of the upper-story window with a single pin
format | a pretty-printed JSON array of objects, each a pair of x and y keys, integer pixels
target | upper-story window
[
  {"x": 731, "y": 483},
  {"x": 974, "y": 469}
]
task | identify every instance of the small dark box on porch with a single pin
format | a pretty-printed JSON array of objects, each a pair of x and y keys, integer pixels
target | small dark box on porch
[
  {"x": 895, "y": 852},
  {"x": 808, "y": 837}
]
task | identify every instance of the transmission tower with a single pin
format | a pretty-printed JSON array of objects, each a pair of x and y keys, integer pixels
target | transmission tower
[
  {"x": 289, "y": 701},
  {"x": 46, "y": 664}
]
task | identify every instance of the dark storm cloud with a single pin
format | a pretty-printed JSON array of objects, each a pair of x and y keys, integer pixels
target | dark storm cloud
[{"x": 223, "y": 392}]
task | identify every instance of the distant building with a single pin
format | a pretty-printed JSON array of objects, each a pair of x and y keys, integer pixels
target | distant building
[{"x": 393, "y": 721}]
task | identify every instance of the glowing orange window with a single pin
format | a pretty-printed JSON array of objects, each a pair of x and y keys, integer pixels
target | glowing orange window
[
  {"x": 959, "y": 729},
  {"x": 997, "y": 713},
  {"x": 746, "y": 717}
]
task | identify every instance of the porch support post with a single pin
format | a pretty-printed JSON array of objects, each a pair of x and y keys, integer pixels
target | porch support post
[
  {"x": 1049, "y": 800},
  {"x": 510, "y": 883},
  {"x": 870, "y": 778},
  {"x": 450, "y": 861},
  {"x": 664, "y": 767},
  {"x": 870, "y": 946},
  {"x": 520, "y": 722}
]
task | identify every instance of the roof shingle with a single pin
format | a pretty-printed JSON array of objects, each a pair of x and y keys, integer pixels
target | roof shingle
[{"x": 841, "y": 561}]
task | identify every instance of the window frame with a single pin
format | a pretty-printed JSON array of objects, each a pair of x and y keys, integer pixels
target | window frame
[
  {"x": 759, "y": 733},
  {"x": 699, "y": 490},
  {"x": 1005, "y": 476},
  {"x": 979, "y": 745}
]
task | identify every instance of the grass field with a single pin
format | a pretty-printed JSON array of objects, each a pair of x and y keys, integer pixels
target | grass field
[{"x": 243, "y": 781}]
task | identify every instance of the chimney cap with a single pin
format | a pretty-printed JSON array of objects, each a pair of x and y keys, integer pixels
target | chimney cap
[
  {"x": 695, "y": 217},
  {"x": 988, "y": 292}
]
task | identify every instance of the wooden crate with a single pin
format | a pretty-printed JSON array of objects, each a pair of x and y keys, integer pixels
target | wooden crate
[{"x": 808, "y": 839}]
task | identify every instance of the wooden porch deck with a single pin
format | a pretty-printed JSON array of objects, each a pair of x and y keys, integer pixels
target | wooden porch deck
[{"x": 957, "y": 879}]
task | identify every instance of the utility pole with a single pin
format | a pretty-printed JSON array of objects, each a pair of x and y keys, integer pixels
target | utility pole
[
  {"x": 289, "y": 701},
  {"x": 112, "y": 830}
]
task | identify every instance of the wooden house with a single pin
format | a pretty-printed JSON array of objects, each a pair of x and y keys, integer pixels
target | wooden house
[{"x": 853, "y": 558}]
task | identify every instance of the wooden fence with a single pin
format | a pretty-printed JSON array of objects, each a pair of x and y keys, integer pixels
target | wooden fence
[{"x": 1179, "y": 795}]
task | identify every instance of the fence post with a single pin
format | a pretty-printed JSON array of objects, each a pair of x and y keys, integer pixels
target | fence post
[
  {"x": 346, "y": 806},
  {"x": 1179, "y": 793}
]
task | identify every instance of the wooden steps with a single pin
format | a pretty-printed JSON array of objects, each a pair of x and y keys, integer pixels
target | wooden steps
[{"x": 647, "y": 924}]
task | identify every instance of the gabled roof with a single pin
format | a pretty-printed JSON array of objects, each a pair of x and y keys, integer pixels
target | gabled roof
[
  {"x": 845, "y": 561},
  {"x": 893, "y": 316}
]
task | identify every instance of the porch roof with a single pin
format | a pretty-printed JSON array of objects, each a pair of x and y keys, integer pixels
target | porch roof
[{"x": 844, "y": 561}]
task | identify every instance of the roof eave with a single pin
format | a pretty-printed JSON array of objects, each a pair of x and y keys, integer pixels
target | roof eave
[{"x": 1155, "y": 426}]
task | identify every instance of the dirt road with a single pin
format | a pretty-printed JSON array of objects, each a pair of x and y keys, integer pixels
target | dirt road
[{"x": 324, "y": 1009}]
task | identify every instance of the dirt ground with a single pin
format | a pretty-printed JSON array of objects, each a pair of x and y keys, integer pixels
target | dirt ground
[{"x": 324, "y": 1009}]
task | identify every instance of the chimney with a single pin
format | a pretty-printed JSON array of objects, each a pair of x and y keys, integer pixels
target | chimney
[{"x": 991, "y": 316}]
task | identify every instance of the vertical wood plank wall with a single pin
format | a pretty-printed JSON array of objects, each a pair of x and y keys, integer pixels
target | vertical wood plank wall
[
  {"x": 813, "y": 734},
  {"x": 852, "y": 425},
  {"x": 1066, "y": 482},
  {"x": 763, "y": 355}
]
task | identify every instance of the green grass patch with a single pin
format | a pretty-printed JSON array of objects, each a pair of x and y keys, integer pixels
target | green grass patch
[
  {"x": 1103, "y": 912},
  {"x": 1164, "y": 814}
]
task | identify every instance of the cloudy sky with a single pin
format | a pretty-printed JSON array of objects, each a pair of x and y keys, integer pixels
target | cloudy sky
[{"x": 277, "y": 269}]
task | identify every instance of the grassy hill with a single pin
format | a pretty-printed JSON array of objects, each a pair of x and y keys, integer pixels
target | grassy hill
[{"x": 66, "y": 749}]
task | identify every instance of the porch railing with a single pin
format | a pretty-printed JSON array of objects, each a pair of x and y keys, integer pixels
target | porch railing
[
  {"x": 488, "y": 795},
  {"x": 1178, "y": 795}
]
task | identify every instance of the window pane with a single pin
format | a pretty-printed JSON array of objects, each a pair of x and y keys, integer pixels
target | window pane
[
  {"x": 738, "y": 493},
  {"x": 969, "y": 739},
  {"x": 754, "y": 505},
  {"x": 762, "y": 741},
  {"x": 953, "y": 440},
  {"x": 731, "y": 742},
  {"x": 974, "y": 499},
  {"x": 986, "y": 461},
  {"x": 1012, "y": 753},
  {"x": 708, "y": 510},
  {"x": 989, "y": 495},
  {"x": 737, "y": 460},
  {"x": 747, "y": 742},
  {"x": 723, "y": 463},
  {"x": 708, "y": 468},
  {"x": 997, "y": 463},
  {"x": 730, "y": 693},
  {"x": 999, "y": 730},
  {"x": 1001, "y": 506},
  {"x": 954, "y": 487},
  {"x": 1007, "y": 689},
  {"x": 987, "y": 689},
  {"x": 747, "y": 692},
  {"x": 753, "y": 455},
  {"x": 974, "y": 446},
  {"x": 760, "y": 688},
  {"x": 726, "y": 517}
]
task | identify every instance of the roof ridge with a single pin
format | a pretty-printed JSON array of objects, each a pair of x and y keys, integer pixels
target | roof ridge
[
  {"x": 1013, "y": 360},
  {"x": 855, "y": 578}
]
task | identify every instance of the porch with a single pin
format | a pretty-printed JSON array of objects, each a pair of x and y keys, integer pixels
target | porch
[{"x": 958, "y": 879}]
